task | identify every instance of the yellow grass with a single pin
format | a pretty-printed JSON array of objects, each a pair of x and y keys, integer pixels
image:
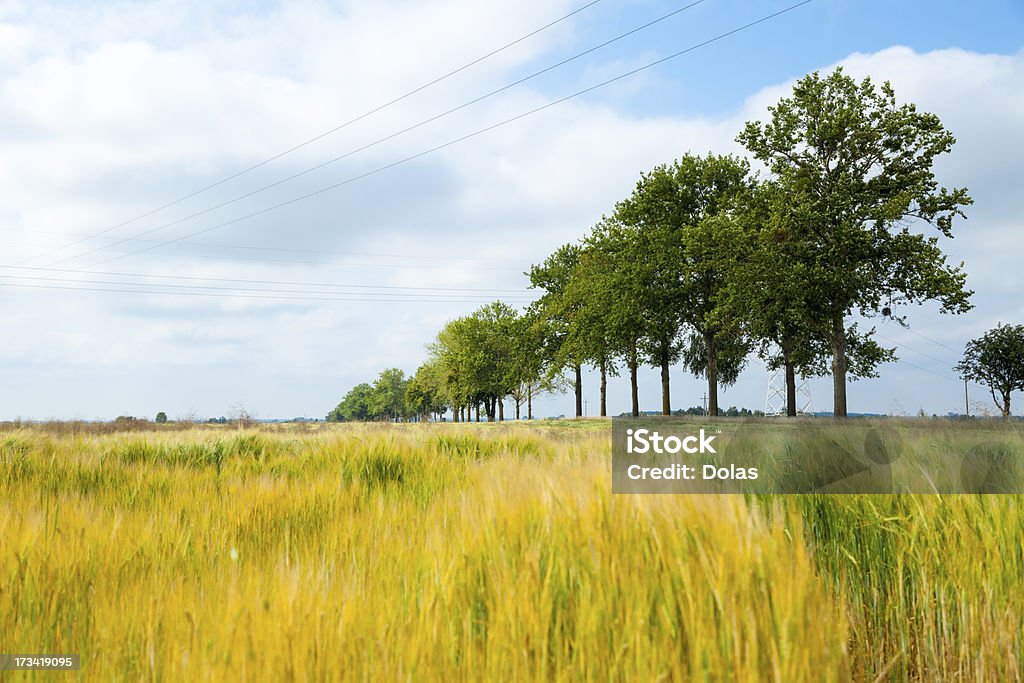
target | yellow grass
[{"x": 452, "y": 552}]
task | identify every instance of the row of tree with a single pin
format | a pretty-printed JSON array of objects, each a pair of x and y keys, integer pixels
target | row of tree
[
  {"x": 476, "y": 363},
  {"x": 707, "y": 262},
  {"x": 392, "y": 397}
]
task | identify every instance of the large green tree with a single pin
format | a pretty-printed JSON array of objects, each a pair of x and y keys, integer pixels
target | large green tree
[
  {"x": 498, "y": 324},
  {"x": 996, "y": 360},
  {"x": 770, "y": 291},
  {"x": 766, "y": 286},
  {"x": 558, "y": 313},
  {"x": 457, "y": 354},
  {"x": 612, "y": 290},
  {"x": 593, "y": 295},
  {"x": 675, "y": 210},
  {"x": 857, "y": 167}
]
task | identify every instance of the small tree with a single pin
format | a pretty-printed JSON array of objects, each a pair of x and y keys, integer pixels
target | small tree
[
  {"x": 161, "y": 417},
  {"x": 240, "y": 416},
  {"x": 997, "y": 361}
]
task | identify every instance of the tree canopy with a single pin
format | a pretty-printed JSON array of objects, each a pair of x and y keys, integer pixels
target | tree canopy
[{"x": 856, "y": 167}]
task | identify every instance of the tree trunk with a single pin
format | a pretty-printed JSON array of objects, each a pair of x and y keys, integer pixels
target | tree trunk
[
  {"x": 712, "y": 351},
  {"x": 666, "y": 407},
  {"x": 477, "y": 411},
  {"x": 838, "y": 366},
  {"x": 604, "y": 388},
  {"x": 633, "y": 388},
  {"x": 790, "y": 384},
  {"x": 501, "y": 409},
  {"x": 519, "y": 402},
  {"x": 529, "y": 403},
  {"x": 1004, "y": 407},
  {"x": 578, "y": 369}
]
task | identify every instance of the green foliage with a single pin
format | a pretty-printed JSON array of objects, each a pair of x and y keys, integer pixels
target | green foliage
[
  {"x": 996, "y": 359},
  {"x": 161, "y": 417},
  {"x": 387, "y": 399},
  {"x": 354, "y": 407},
  {"x": 678, "y": 215},
  {"x": 558, "y": 308},
  {"x": 855, "y": 166},
  {"x": 767, "y": 282},
  {"x": 485, "y": 357},
  {"x": 424, "y": 392}
]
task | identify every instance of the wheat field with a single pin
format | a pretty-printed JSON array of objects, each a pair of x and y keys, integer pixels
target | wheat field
[{"x": 479, "y": 552}]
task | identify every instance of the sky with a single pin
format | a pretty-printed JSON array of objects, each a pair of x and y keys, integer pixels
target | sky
[{"x": 160, "y": 252}]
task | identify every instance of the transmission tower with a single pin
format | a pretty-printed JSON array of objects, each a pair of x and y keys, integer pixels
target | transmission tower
[{"x": 775, "y": 401}]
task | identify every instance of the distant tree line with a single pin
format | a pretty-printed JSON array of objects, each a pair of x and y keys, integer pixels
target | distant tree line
[
  {"x": 707, "y": 262},
  {"x": 475, "y": 364},
  {"x": 392, "y": 397}
]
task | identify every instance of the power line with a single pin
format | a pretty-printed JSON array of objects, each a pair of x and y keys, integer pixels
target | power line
[
  {"x": 235, "y": 258},
  {"x": 922, "y": 353},
  {"x": 950, "y": 348},
  {"x": 237, "y": 296},
  {"x": 939, "y": 360},
  {"x": 468, "y": 136},
  {"x": 258, "y": 282},
  {"x": 310, "y": 141},
  {"x": 392, "y": 136},
  {"x": 418, "y": 257},
  {"x": 399, "y": 266}
]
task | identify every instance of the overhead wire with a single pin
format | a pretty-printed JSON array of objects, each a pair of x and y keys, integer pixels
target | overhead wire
[
  {"x": 386, "y": 138},
  {"x": 265, "y": 282},
  {"x": 463, "y": 138},
  {"x": 335, "y": 129},
  {"x": 436, "y": 257},
  {"x": 449, "y": 143},
  {"x": 239, "y": 296}
]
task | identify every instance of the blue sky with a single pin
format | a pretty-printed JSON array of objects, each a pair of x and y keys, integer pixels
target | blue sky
[
  {"x": 719, "y": 77},
  {"x": 109, "y": 110}
]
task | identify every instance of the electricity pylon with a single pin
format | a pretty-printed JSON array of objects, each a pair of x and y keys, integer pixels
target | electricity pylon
[{"x": 775, "y": 401}]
